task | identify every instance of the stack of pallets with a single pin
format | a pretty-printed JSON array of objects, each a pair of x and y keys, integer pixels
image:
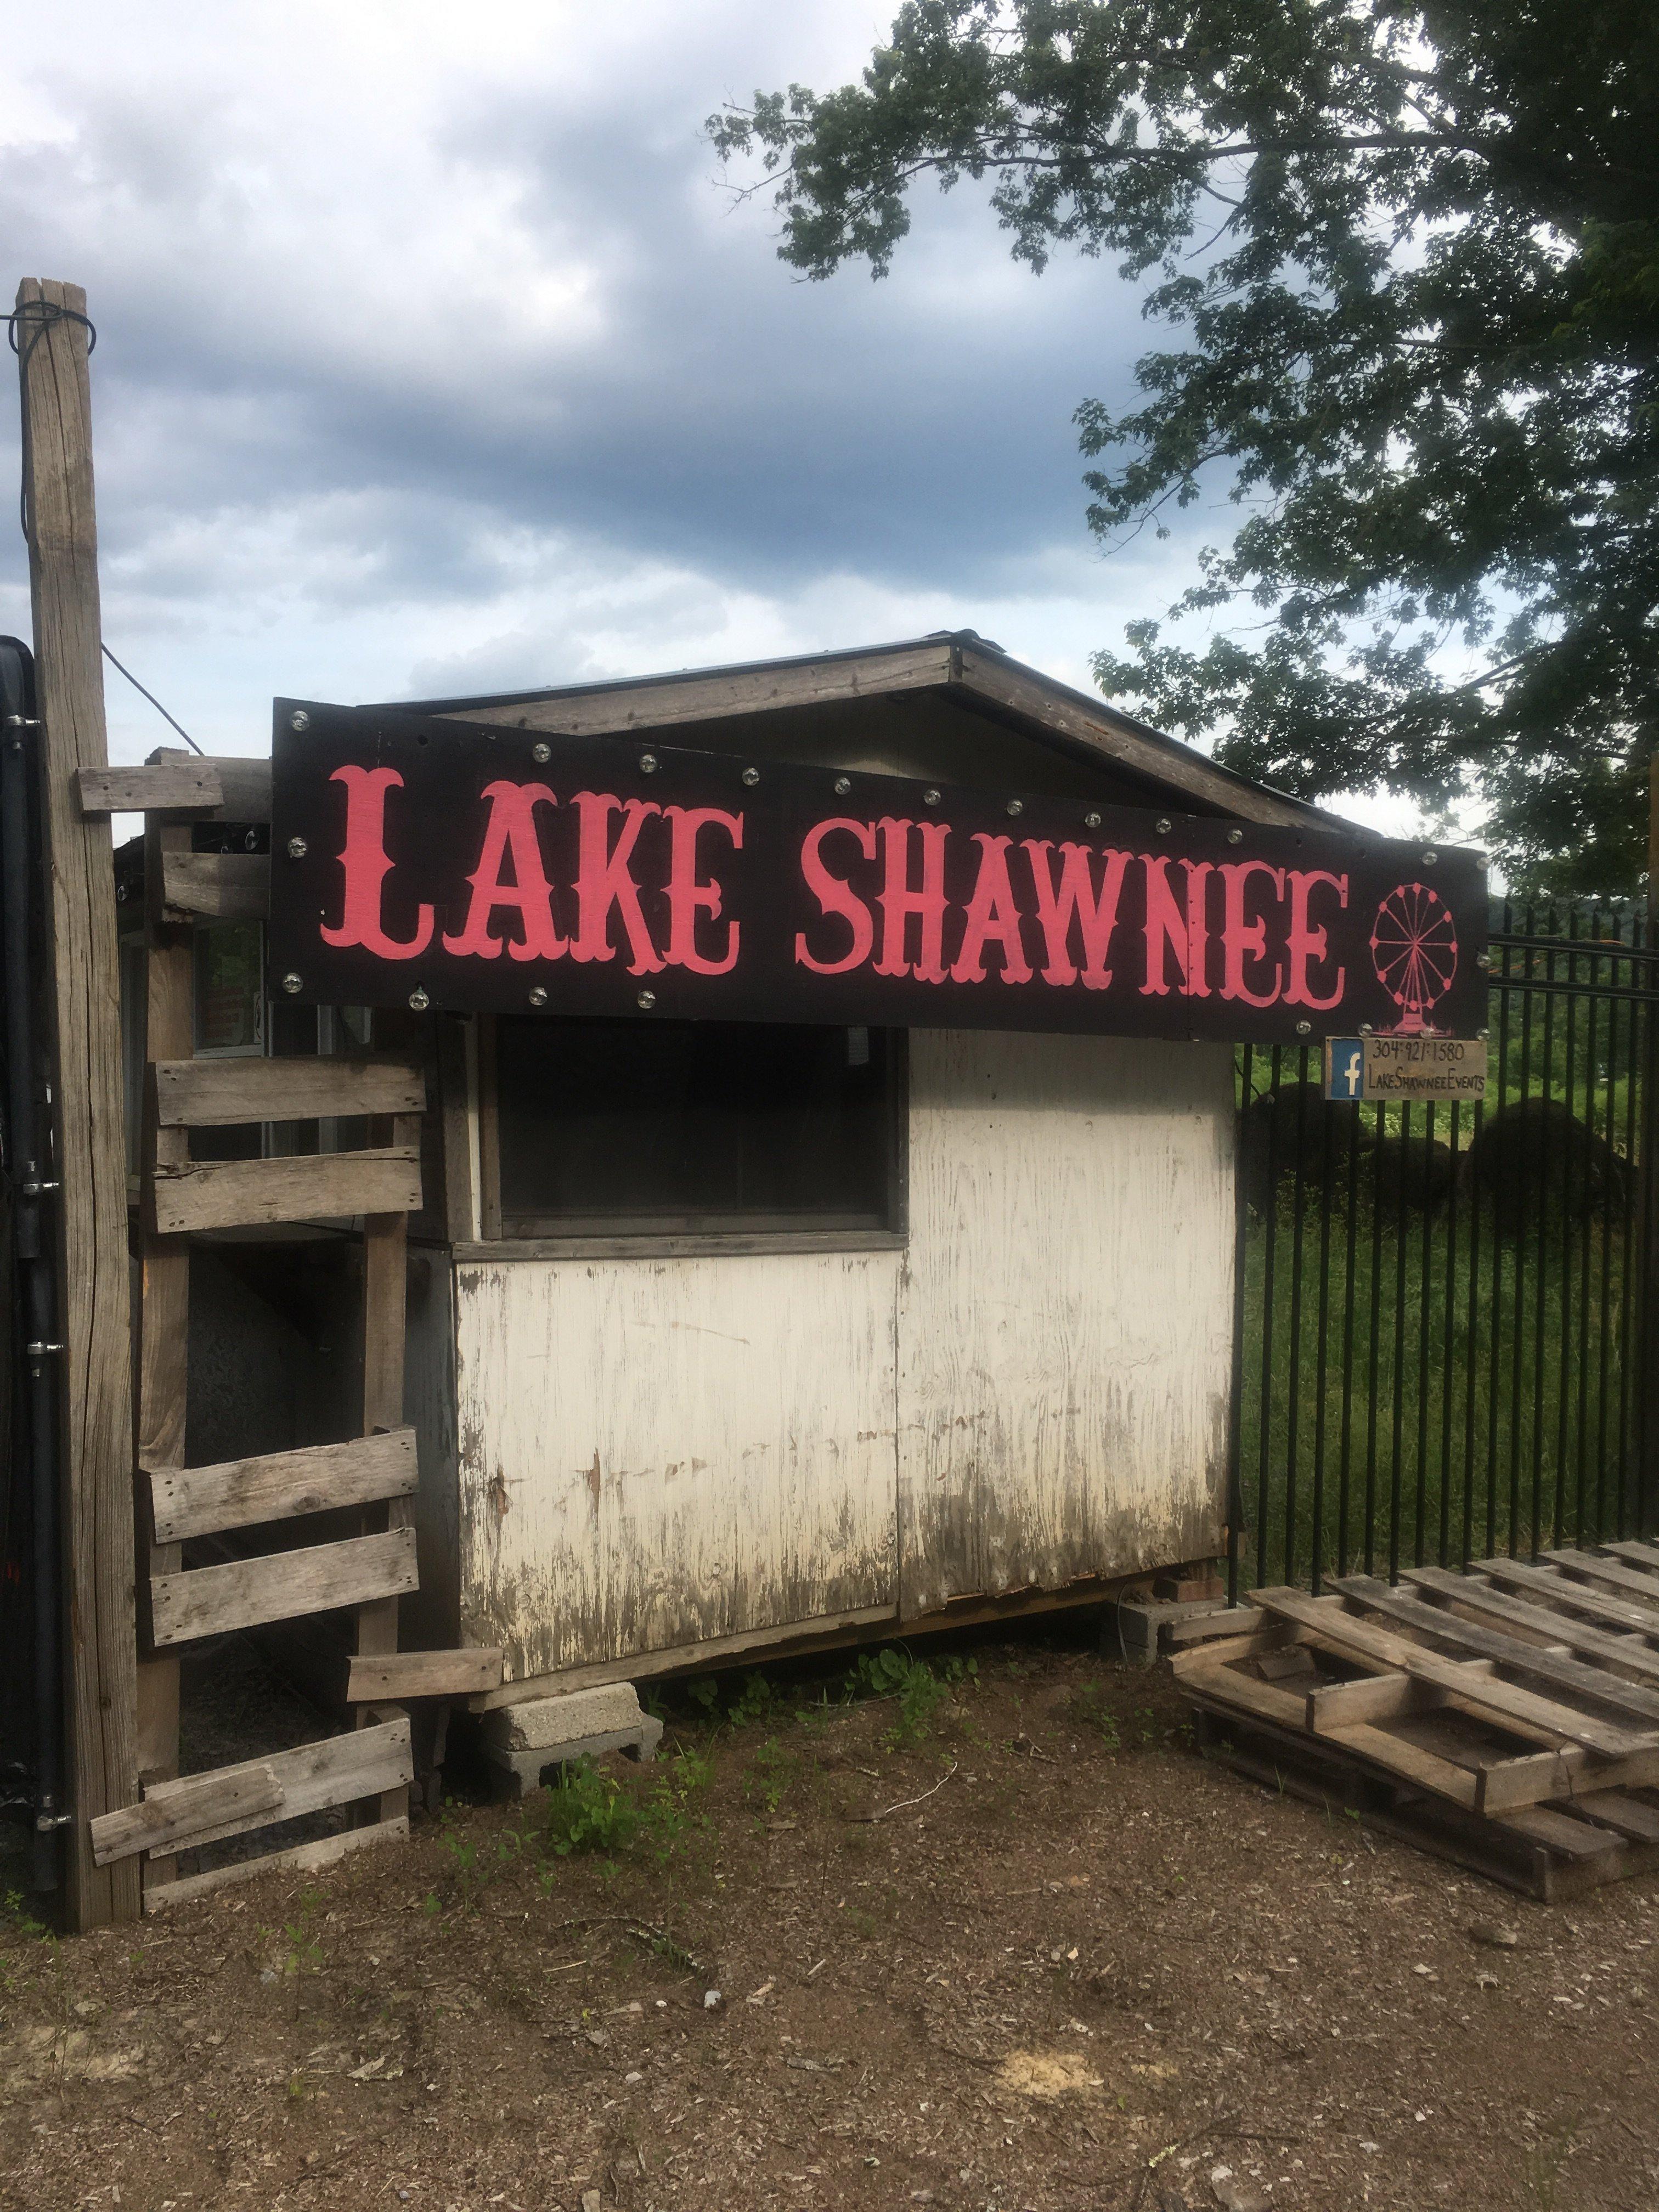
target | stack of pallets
[{"x": 1507, "y": 1718}]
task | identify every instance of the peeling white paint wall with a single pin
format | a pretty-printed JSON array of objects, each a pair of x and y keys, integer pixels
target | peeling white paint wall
[
  {"x": 1065, "y": 1314},
  {"x": 656, "y": 1452},
  {"x": 653, "y": 1452}
]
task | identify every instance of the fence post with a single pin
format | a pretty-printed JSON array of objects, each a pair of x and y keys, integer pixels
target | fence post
[
  {"x": 52, "y": 337},
  {"x": 1647, "y": 1448}
]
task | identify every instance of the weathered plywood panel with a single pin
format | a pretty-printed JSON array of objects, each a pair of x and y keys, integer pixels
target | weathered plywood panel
[
  {"x": 652, "y": 1453},
  {"x": 1066, "y": 1312}
]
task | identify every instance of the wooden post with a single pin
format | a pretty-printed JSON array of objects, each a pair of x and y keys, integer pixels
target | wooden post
[
  {"x": 94, "y": 1326},
  {"x": 1640, "y": 1521},
  {"x": 164, "y": 1312}
]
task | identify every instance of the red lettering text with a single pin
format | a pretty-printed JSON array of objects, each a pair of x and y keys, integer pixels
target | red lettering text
[
  {"x": 898, "y": 902},
  {"x": 1244, "y": 939},
  {"x": 603, "y": 880},
  {"x": 367, "y": 868},
  {"x": 688, "y": 896},
  {"x": 837, "y": 897},
  {"x": 1075, "y": 897},
  {"x": 511, "y": 830},
  {"x": 993, "y": 918},
  {"x": 1309, "y": 942},
  {"x": 1169, "y": 929}
]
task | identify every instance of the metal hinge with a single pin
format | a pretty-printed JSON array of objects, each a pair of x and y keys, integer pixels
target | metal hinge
[
  {"x": 35, "y": 1189},
  {"x": 38, "y": 1351}
]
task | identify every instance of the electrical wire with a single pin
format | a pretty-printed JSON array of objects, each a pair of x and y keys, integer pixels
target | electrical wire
[{"x": 154, "y": 700}]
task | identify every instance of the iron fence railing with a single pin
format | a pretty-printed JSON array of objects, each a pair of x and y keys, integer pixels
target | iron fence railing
[{"x": 1443, "y": 1316}]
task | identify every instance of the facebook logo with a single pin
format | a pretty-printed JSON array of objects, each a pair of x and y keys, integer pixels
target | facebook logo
[{"x": 1344, "y": 1068}]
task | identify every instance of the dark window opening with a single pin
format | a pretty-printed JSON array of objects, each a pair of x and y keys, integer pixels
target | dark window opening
[{"x": 641, "y": 1128}]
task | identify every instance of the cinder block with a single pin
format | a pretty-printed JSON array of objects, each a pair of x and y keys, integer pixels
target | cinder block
[
  {"x": 577, "y": 1714},
  {"x": 525, "y": 1742}
]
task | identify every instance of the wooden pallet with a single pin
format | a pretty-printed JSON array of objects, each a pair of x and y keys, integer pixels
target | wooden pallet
[
  {"x": 196, "y": 1525},
  {"x": 1507, "y": 1718}
]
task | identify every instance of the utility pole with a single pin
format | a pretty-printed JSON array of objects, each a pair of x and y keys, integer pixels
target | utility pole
[{"x": 83, "y": 1001}]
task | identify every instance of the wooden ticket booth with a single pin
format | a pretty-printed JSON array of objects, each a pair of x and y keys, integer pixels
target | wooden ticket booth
[{"x": 835, "y": 1133}]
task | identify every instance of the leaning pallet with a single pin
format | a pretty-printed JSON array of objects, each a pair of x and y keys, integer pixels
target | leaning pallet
[
  {"x": 197, "y": 1577},
  {"x": 1506, "y": 1718}
]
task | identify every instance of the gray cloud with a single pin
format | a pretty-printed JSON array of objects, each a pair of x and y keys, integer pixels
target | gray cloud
[{"x": 433, "y": 353}]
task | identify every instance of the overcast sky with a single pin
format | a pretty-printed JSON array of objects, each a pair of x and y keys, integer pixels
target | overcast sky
[{"x": 434, "y": 355}]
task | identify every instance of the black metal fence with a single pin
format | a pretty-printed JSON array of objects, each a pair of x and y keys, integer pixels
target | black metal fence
[{"x": 1446, "y": 1314}]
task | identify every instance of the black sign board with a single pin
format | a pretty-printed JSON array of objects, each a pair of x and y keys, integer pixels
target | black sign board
[{"x": 430, "y": 862}]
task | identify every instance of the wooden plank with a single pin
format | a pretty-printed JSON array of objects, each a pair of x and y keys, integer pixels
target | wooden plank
[
  {"x": 1224, "y": 1652},
  {"x": 603, "y": 710},
  {"x": 163, "y": 1360},
  {"x": 305, "y": 1187},
  {"x": 461, "y": 1673},
  {"x": 219, "y": 886},
  {"x": 195, "y": 1094},
  {"x": 245, "y": 781},
  {"x": 1633, "y": 1553},
  {"x": 1567, "y": 1771},
  {"x": 1544, "y": 1583},
  {"x": 1286, "y": 1710},
  {"x": 175, "y": 1813},
  {"x": 302, "y": 1858},
  {"x": 1625, "y": 1815},
  {"x": 94, "y": 1372},
  {"x": 315, "y": 1778},
  {"x": 385, "y": 1282},
  {"x": 1336, "y": 1705},
  {"x": 281, "y": 1586},
  {"x": 1629, "y": 1582},
  {"x": 183, "y": 787},
  {"x": 1502, "y": 1611},
  {"x": 1205, "y": 1627},
  {"x": 1115, "y": 738},
  {"x": 1498, "y": 1700},
  {"x": 1559, "y": 1833},
  {"x": 197, "y": 1501},
  {"x": 459, "y": 1126},
  {"x": 1561, "y": 1675}
]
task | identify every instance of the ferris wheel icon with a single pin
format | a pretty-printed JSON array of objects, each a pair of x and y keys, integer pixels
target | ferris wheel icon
[{"x": 1414, "y": 951}]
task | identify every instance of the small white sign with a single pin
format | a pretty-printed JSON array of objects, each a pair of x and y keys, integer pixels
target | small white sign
[{"x": 1382, "y": 1068}]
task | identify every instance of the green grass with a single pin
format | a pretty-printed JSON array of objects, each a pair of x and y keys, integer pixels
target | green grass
[{"x": 1489, "y": 1407}]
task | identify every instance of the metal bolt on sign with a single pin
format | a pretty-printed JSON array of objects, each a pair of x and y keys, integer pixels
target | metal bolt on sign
[
  {"x": 647, "y": 763},
  {"x": 1091, "y": 821},
  {"x": 930, "y": 798},
  {"x": 541, "y": 755},
  {"x": 1164, "y": 825},
  {"x": 751, "y": 776},
  {"x": 291, "y": 983},
  {"x": 297, "y": 848},
  {"x": 843, "y": 785},
  {"x": 299, "y": 720},
  {"x": 646, "y": 1000},
  {"x": 1016, "y": 807},
  {"x": 418, "y": 1000},
  {"x": 537, "y": 995}
]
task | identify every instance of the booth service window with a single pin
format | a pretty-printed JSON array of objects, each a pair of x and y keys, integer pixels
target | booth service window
[{"x": 658, "y": 1127}]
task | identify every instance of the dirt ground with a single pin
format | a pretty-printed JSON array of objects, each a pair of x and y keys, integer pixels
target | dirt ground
[{"x": 1002, "y": 1942}]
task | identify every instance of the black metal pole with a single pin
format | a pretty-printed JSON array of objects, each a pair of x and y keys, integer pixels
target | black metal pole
[{"x": 28, "y": 1165}]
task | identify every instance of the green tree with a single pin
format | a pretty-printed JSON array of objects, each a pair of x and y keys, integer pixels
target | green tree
[{"x": 1411, "y": 252}]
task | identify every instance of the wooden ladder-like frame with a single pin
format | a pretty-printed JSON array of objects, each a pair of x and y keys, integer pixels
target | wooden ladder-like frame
[{"x": 370, "y": 1767}]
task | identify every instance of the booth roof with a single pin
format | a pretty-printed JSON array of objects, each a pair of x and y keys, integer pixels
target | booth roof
[{"x": 958, "y": 667}]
